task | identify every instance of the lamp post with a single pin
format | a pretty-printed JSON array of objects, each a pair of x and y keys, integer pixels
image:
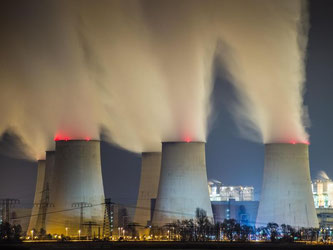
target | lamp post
[
  {"x": 66, "y": 231},
  {"x": 79, "y": 234},
  {"x": 32, "y": 234}
]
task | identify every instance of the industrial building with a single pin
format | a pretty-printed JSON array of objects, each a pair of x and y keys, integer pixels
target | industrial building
[
  {"x": 219, "y": 192},
  {"x": 286, "y": 196},
  {"x": 183, "y": 183},
  {"x": 323, "y": 193},
  {"x": 244, "y": 212},
  {"x": 77, "y": 193}
]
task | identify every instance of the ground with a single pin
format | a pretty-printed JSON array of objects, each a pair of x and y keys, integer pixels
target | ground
[{"x": 161, "y": 245}]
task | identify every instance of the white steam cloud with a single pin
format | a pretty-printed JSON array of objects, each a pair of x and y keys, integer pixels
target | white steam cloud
[
  {"x": 142, "y": 71},
  {"x": 263, "y": 50}
]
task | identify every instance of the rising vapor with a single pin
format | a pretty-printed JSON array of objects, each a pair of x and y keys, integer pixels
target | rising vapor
[
  {"x": 141, "y": 72},
  {"x": 263, "y": 49}
]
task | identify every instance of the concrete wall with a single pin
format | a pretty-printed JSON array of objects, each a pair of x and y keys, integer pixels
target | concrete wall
[
  {"x": 325, "y": 217},
  {"x": 35, "y": 212},
  {"x": 183, "y": 183},
  {"x": 244, "y": 212},
  {"x": 286, "y": 196},
  {"x": 77, "y": 179},
  {"x": 150, "y": 176}
]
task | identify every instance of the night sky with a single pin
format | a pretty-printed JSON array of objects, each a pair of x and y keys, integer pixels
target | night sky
[{"x": 230, "y": 159}]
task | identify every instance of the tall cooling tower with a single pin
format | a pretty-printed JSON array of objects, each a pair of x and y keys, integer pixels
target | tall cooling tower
[
  {"x": 150, "y": 176},
  {"x": 35, "y": 212},
  {"x": 286, "y": 196},
  {"x": 47, "y": 188},
  {"x": 183, "y": 183},
  {"x": 78, "y": 194}
]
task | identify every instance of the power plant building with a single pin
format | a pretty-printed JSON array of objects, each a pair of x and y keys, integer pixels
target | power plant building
[
  {"x": 323, "y": 193},
  {"x": 286, "y": 196},
  {"x": 219, "y": 192},
  {"x": 183, "y": 183},
  {"x": 150, "y": 176},
  {"x": 77, "y": 193}
]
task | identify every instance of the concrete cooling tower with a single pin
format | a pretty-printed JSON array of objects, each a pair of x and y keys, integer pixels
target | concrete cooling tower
[
  {"x": 286, "y": 196},
  {"x": 47, "y": 187},
  {"x": 183, "y": 183},
  {"x": 77, "y": 190},
  {"x": 35, "y": 213},
  {"x": 150, "y": 176}
]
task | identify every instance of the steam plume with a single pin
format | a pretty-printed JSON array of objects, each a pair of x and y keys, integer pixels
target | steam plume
[
  {"x": 263, "y": 50},
  {"x": 322, "y": 175},
  {"x": 141, "y": 71}
]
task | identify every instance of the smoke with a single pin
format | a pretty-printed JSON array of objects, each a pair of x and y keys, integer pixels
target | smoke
[
  {"x": 138, "y": 70},
  {"x": 263, "y": 49},
  {"x": 45, "y": 87},
  {"x": 142, "y": 71},
  {"x": 322, "y": 175}
]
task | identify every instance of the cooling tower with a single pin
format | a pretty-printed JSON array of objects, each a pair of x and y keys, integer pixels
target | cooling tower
[
  {"x": 35, "y": 212},
  {"x": 47, "y": 188},
  {"x": 150, "y": 176},
  {"x": 286, "y": 196},
  {"x": 77, "y": 194},
  {"x": 183, "y": 183}
]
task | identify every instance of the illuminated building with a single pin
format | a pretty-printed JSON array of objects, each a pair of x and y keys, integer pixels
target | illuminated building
[
  {"x": 218, "y": 192},
  {"x": 322, "y": 190}
]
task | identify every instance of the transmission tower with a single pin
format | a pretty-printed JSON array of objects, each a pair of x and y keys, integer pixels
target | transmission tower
[
  {"x": 108, "y": 219},
  {"x": 43, "y": 205},
  {"x": 81, "y": 205},
  {"x": 89, "y": 224},
  {"x": 5, "y": 205}
]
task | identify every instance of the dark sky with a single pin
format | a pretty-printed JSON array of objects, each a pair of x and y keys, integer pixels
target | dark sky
[{"x": 231, "y": 159}]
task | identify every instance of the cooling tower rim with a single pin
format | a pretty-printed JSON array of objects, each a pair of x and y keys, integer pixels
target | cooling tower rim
[
  {"x": 183, "y": 142},
  {"x": 286, "y": 143},
  {"x": 77, "y": 140}
]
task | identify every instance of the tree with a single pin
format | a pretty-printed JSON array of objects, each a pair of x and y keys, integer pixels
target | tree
[
  {"x": 272, "y": 227},
  {"x": 10, "y": 233},
  {"x": 229, "y": 226},
  {"x": 203, "y": 225},
  {"x": 245, "y": 231}
]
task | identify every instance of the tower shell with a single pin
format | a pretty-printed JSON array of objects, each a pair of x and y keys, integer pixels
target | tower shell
[
  {"x": 78, "y": 193},
  {"x": 286, "y": 196},
  {"x": 149, "y": 179},
  {"x": 183, "y": 183},
  {"x": 35, "y": 212},
  {"x": 47, "y": 189}
]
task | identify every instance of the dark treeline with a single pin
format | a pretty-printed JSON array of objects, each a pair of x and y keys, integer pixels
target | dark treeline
[
  {"x": 198, "y": 229},
  {"x": 202, "y": 229},
  {"x": 10, "y": 232}
]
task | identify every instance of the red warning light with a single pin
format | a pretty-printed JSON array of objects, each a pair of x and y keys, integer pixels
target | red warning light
[
  {"x": 57, "y": 138},
  {"x": 293, "y": 142},
  {"x": 88, "y": 139},
  {"x": 187, "y": 139}
]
